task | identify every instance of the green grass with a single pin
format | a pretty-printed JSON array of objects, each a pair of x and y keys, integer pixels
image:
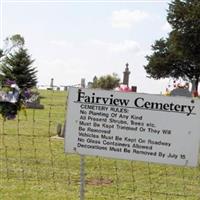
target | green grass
[{"x": 33, "y": 165}]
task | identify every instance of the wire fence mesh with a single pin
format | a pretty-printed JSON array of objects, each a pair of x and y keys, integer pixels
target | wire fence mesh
[{"x": 33, "y": 164}]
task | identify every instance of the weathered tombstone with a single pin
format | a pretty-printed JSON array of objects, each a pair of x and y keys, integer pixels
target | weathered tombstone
[
  {"x": 59, "y": 130},
  {"x": 51, "y": 83},
  {"x": 34, "y": 102},
  {"x": 181, "y": 92},
  {"x": 83, "y": 82},
  {"x": 194, "y": 89},
  {"x": 89, "y": 85},
  {"x": 63, "y": 130},
  {"x": 134, "y": 88},
  {"x": 65, "y": 88}
]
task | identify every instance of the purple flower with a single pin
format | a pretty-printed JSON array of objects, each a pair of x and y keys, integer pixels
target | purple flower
[
  {"x": 9, "y": 82},
  {"x": 27, "y": 94}
]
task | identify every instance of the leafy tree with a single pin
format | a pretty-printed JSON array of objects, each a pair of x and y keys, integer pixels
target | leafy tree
[
  {"x": 179, "y": 54},
  {"x": 107, "y": 82},
  {"x": 11, "y": 43},
  {"x": 17, "y": 66}
]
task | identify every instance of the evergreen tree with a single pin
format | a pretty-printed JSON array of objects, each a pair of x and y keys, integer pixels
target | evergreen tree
[{"x": 17, "y": 66}]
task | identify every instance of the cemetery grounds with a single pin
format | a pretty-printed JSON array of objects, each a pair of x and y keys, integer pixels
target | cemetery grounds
[{"x": 33, "y": 165}]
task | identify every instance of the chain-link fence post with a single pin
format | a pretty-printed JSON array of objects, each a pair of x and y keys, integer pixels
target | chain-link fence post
[{"x": 82, "y": 163}]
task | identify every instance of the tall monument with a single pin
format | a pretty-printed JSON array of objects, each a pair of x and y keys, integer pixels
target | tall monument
[
  {"x": 51, "y": 83},
  {"x": 126, "y": 75}
]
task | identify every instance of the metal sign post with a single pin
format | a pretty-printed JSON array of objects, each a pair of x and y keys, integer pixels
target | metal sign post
[{"x": 82, "y": 177}]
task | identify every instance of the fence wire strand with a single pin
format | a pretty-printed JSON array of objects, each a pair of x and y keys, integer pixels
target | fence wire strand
[{"x": 34, "y": 165}]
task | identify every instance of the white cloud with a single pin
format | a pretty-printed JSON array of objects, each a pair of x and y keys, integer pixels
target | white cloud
[
  {"x": 127, "y": 18},
  {"x": 60, "y": 43},
  {"x": 126, "y": 46},
  {"x": 166, "y": 27},
  {"x": 98, "y": 43}
]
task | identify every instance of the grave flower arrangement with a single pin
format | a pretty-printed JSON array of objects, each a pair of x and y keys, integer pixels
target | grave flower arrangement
[
  {"x": 123, "y": 88},
  {"x": 176, "y": 84},
  {"x": 12, "y": 99}
]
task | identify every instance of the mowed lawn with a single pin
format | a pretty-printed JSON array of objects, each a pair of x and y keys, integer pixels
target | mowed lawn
[{"x": 33, "y": 165}]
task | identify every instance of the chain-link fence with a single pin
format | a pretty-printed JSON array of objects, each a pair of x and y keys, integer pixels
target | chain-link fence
[{"x": 34, "y": 165}]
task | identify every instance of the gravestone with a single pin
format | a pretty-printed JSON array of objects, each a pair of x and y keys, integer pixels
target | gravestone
[
  {"x": 181, "y": 92},
  {"x": 51, "y": 83},
  {"x": 59, "y": 130},
  {"x": 65, "y": 88},
  {"x": 34, "y": 102}
]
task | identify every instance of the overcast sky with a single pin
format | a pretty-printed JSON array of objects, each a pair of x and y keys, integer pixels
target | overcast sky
[{"x": 70, "y": 40}]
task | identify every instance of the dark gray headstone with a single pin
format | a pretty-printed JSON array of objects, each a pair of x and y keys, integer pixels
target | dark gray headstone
[
  {"x": 34, "y": 105},
  {"x": 65, "y": 88},
  {"x": 59, "y": 130},
  {"x": 181, "y": 92}
]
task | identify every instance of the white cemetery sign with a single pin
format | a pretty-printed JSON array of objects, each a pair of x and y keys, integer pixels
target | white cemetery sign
[{"x": 133, "y": 126}]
